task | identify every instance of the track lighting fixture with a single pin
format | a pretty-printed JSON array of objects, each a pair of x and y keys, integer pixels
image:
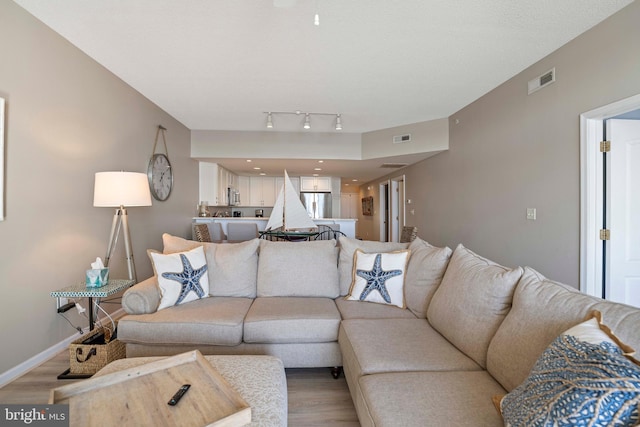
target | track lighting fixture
[{"x": 307, "y": 118}]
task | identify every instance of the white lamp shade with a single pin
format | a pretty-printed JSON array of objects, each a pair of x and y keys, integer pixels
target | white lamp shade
[{"x": 114, "y": 189}]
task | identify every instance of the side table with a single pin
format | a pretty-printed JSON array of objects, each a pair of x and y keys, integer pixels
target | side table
[{"x": 81, "y": 291}]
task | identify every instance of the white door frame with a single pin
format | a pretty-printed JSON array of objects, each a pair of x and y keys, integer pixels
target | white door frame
[
  {"x": 384, "y": 187},
  {"x": 396, "y": 208},
  {"x": 591, "y": 129}
]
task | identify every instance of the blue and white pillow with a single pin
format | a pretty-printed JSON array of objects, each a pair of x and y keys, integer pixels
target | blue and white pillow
[
  {"x": 584, "y": 378},
  {"x": 379, "y": 277},
  {"x": 182, "y": 276}
]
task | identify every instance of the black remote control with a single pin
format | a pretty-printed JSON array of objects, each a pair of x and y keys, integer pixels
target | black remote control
[{"x": 176, "y": 397}]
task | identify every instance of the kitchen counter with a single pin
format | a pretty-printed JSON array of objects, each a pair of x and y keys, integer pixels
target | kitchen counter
[{"x": 347, "y": 225}]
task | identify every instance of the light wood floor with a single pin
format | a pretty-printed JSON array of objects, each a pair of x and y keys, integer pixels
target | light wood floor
[{"x": 315, "y": 398}]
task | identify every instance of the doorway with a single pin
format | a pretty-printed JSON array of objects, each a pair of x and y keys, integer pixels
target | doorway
[
  {"x": 393, "y": 210},
  {"x": 610, "y": 200}
]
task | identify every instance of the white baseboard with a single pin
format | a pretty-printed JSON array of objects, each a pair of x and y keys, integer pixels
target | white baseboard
[{"x": 37, "y": 360}]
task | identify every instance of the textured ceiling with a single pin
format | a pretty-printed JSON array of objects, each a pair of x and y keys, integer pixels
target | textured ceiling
[{"x": 219, "y": 64}]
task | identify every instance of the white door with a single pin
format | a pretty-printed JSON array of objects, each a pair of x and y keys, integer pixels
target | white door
[{"x": 623, "y": 266}]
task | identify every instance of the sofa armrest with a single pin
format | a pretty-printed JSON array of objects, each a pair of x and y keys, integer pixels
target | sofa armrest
[{"x": 142, "y": 298}]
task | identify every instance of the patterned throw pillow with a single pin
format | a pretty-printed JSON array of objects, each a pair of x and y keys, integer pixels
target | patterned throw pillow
[
  {"x": 379, "y": 277},
  {"x": 584, "y": 378},
  {"x": 182, "y": 276}
]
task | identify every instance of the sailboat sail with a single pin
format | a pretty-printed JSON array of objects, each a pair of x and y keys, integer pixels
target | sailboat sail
[
  {"x": 288, "y": 212},
  {"x": 276, "y": 219}
]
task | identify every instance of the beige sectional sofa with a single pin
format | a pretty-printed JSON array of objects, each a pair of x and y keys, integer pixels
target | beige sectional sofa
[{"x": 468, "y": 329}]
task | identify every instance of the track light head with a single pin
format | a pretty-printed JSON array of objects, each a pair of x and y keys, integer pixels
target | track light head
[
  {"x": 307, "y": 121},
  {"x": 338, "y": 122},
  {"x": 269, "y": 121}
]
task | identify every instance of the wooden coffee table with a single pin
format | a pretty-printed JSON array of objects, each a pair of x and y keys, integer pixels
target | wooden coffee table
[{"x": 259, "y": 380}]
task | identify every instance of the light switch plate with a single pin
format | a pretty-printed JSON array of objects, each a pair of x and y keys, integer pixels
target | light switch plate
[{"x": 531, "y": 213}]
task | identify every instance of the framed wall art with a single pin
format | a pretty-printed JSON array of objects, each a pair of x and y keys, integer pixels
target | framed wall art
[
  {"x": 1, "y": 159},
  {"x": 367, "y": 206}
]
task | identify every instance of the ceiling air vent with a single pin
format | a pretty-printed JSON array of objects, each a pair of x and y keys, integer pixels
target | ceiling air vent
[
  {"x": 401, "y": 139},
  {"x": 393, "y": 165},
  {"x": 542, "y": 81}
]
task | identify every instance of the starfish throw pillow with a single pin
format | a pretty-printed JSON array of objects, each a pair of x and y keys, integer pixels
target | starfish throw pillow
[
  {"x": 182, "y": 276},
  {"x": 379, "y": 277}
]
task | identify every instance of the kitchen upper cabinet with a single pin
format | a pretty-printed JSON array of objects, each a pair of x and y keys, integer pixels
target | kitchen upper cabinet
[
  {"x": 213, "y": 183},
  {"x": 209, "y": 188},
  {"x": 315, "y": 183},
  {"x": 226, "y": 179},
  {"x": 262, "y": 191},
  {"x": 244, "y": 187}
]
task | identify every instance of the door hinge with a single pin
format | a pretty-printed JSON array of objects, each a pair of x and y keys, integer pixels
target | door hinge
[
  {"x": 605, "y": 146},
  {"x": 605, "y": 234}
]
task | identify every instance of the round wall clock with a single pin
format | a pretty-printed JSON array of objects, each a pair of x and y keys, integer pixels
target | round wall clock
[
  {"x": 159, "y": 171},
  {"x": 160, "y": 177}
]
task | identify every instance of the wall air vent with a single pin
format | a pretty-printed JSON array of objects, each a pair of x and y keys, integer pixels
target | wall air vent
[
  {"x": 393, "y": 165},
  {"x": 401, "y": 139},
  {"x": 542, "y": 81}
]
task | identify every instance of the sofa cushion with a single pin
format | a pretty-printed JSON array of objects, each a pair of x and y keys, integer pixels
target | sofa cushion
[
  {"x": 583, "y": 376},
  {"x": 472, "y": 301},
  {"x": 214, "y": 321},
  {"x": 379, "y": 277},
  {"x": 182, "y": 277},
  {"x": 298, "y": 269},
  {"x": 292, "y": 320},
  {"x": 233, "y": 267},
  {"x": 347, "y": 249},
  {"x": 396, "y": 345},
  {"x": 542, "y": 309},
  {"x": 424, "y": 273},
  {"x": 370, "y": 310},
  {"x": 418, "y": 399}
]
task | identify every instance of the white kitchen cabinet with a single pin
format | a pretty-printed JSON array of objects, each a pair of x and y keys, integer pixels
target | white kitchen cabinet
[
  {"x": 226, "y": 179},
  {"x": 213, "y": 183},
  {"x": 315, "y": 183},
  {"x": 244, "y": 187},
  {"x": 209, "y": 183},
  {"x": 262, "y": 191}
]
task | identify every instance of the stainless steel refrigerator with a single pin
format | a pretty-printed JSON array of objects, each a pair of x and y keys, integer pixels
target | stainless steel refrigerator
[{"x": 318, "y": 205}]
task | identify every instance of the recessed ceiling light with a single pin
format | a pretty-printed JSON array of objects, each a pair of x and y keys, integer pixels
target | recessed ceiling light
[
  {"x": 315, "y": 174},
  {"x": 262, "y": 173},
  {"x": 346, "y": 185},
  {"x": 317, "y": 169},
  {"x": 249, "y": 160},
  {"x": 256, "y": 168},
  {"x": 354, "y": 180},
  {"x": 320, "y": 161}
]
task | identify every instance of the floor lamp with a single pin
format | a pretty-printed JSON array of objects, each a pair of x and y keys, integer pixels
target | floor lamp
[{"x": 120, "y": 190}]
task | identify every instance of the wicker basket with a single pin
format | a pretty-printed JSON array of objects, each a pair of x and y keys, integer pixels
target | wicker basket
[{"x": 90, "y": 358}]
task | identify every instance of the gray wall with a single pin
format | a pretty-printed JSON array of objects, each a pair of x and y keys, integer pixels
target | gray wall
[
  {"x": 67, "y": 118},
  {"x": 509, "y": 151}
]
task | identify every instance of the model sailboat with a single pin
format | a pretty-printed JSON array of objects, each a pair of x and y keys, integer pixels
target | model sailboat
[{"x": 288, "y": 212}]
